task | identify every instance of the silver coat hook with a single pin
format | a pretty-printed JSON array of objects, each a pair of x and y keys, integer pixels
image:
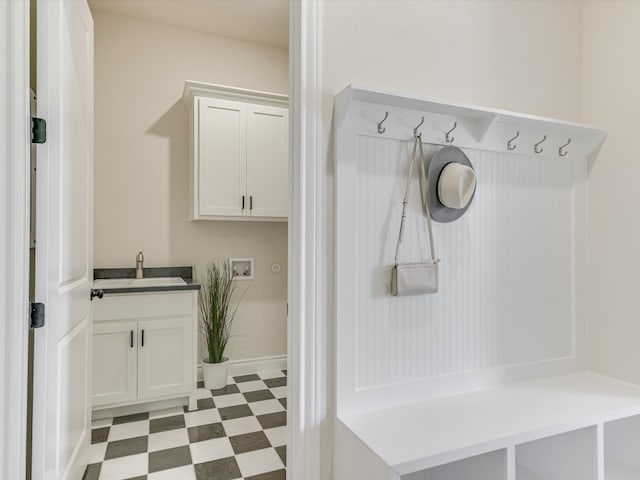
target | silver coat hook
[
  {"x": 381, "y": 129},
  {"x": 510, "y": 144},
  {"x": 537, "y": 148},
  {"x": 561, "y": 151},
  {"x": 448, "y": 136},
  {"x": 415, "y": 130}
]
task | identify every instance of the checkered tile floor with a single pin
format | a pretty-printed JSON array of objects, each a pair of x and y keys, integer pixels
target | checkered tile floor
[{"x": 238, "y": 432}]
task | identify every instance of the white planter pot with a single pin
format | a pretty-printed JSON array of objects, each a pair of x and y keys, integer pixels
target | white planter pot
[{"x": 215, "y": 374}]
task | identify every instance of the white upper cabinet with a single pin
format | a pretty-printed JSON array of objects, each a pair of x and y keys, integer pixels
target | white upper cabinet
[{"x": 239, "y": 153}]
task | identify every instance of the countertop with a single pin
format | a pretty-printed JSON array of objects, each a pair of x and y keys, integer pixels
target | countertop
[{"x": 186, "y": 273}]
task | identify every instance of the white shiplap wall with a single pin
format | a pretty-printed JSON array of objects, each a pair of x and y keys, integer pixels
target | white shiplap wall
[
  {"x": 511, "y": 300},
  {"x": 506, "y": 272}
]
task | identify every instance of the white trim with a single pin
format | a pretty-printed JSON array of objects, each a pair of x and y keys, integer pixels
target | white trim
[
  {"x": 201, "y": 89},
  {"x": 253, "y": 365},
  {"x": 307, "y": 326},
  {"x": 14, "y": 242}
]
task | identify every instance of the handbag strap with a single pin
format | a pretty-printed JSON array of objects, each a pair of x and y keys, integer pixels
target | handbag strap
[{"x": 425, "y": 199}]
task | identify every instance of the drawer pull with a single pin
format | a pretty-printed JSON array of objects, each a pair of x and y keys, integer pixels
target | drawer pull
[
  {"x": 131, "y": 337},
  {"x": 143, "y": 337}
]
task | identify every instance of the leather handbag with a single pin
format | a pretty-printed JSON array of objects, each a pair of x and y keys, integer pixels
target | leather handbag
[{"x": 415, "y": 278}]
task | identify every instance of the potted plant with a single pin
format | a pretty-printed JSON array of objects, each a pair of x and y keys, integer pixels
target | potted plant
[{"x": 216, "y": 318}]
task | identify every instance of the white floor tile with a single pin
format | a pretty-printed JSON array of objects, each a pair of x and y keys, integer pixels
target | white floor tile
[
  {"x": 277, "y": 436},
  {"x": 169, "y": 439},
  {"x": 202, "y": 393},
  {"x": 266, "y": 406},
  {"x": 229, "y": 400},
  {"x": 260, "y": 461},
  {"x": 96, "y": 452},
  {"x": 238, "y": 426},
  {"x": 208, "y": 450},
  {"x": 186, "y": 472},
  {"x": 125, "y": 467},
  {"x": 128, "y": 430},
  {"x": 252, "y": 386},
  {"x": 201, "y": 417},
  {"x": 279, "y": 392},
  {"x": 105, "y": 422},
  {"x": 271, "y": 374},
  {"x": 166, "y": 412}
]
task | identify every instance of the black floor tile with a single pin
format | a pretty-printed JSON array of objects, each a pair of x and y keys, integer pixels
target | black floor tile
[
  {"x": 237, "y": 411},
  {"x": 276, "y": 382},
  {"x": 92, "y": 472},
  {"x": 141, "y": 477},
  {"x": 99, "y": 435},
  {"x": 169, "y": 458},
  {"x": 282, "y": 452},
  {"x": 246, "y": 378},
  {"x": 277, "y": 475},
  {"x": 272, "y": 420},
  {"x": 205, "y": 403},
  {"x": 283, "y": 401},
  {"x": 157, "y": 425},
  {"x": 229, "y": 389},
  {"x": 223, "y": 469},
  {"x": 128, "y": 446},
  {"x": 249, "y": 442},
  {"x": 136, "y": 417},
  {"x": 258, "y": 395},
  {"x": 205, "y": 432}
]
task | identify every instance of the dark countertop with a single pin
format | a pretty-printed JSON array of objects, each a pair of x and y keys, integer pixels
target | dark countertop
[{"x": 186, "y": 273}]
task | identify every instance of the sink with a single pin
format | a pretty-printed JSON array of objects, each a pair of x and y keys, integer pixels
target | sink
[{"x": 138, "y": 282}]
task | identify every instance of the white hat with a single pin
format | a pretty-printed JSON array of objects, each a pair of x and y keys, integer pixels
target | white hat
[{"x": 452, "y": 184}]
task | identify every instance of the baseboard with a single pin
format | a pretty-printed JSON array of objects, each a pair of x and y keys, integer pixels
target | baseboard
[
  {"x": 110, "y": 412},
  {"x": 253, "y": 365}
]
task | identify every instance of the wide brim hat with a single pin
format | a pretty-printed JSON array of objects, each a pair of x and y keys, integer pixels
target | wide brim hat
[{"x": 452, "y": 184}]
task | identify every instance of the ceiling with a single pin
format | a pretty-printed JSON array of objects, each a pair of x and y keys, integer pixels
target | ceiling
[{"x": 258, "y": 21}]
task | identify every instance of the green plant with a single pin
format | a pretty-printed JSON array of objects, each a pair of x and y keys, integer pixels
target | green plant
[{"x": 216, "y": 313}]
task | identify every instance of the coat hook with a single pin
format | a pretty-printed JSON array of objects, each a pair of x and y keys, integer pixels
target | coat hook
[
  {"x": 510, "y": 144},
  {"x": 381, "y": 129},
  {"x": 561, "y": 151},
  {"x": 537, "y": 148},
  {"x": 415, "y": 130},
  {"x": 448, "y": 136}
]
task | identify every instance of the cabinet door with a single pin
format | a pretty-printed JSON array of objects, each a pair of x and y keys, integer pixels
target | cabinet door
[
  {"x": 114, "y": 362},
  {"x": 268, "y": 161},
  {"x": 221, "y": 175},
  {"x": 164, "y": 357}
]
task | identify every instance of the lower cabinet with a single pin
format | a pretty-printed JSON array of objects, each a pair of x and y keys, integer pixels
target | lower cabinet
[{"x": 144, "y": 358}]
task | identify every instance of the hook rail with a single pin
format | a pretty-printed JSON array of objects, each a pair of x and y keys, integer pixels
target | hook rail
[
  {"x": 561, "y": 151},
  {"x": 537, "y": 147},
  {"x": 448, "y": 136},
  {"x": 382, "y": 129},
  {"x": 510, "y": 144},
  {"x": 415, "y": 130}
]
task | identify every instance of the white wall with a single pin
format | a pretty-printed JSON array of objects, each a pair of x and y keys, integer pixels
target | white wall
[
  {"x": 141, "y": 163},
  {"x": 521, "y": 56},
  {"x": 611, "y": 75}
]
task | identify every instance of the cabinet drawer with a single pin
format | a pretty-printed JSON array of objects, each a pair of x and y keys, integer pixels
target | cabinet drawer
[{"x": 142, "y": 305}]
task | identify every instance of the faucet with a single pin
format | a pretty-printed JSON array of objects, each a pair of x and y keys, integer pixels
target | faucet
[{"x": 140, "y": 265}]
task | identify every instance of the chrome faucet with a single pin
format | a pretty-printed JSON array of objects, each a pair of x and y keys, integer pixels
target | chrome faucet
[{"x": 140, "y": 265}]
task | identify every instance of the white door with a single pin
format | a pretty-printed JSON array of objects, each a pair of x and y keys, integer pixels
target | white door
[
  {"x": 64, "y": 250},
  {"x": 221, "y": 157},
  {"x": 164, "y": 357},
  {"x": 267, "y": 161},
  {"x": 115, "y": 370}
]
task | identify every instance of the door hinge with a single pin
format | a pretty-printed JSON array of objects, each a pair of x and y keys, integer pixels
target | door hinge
[
  {"x": 38, "y": 130},
  {"x": 37, "y": 315}
]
